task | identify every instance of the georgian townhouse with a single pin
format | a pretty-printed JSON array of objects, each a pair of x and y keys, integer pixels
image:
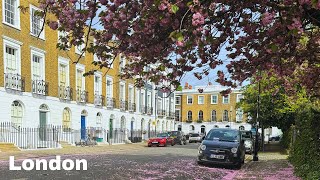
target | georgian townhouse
[
  {"x": 41, "y": 86},
  {"x": 202, "y": 108}
]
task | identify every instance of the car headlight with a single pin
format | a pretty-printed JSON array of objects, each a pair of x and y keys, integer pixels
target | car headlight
[
  {"x": 248, "y": 143},
  {"x": 234, "y": 150},
  {"x": 203, "y": 147}
]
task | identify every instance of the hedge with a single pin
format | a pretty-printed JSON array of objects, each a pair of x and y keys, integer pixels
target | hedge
[{"x": 305, "y": 148}]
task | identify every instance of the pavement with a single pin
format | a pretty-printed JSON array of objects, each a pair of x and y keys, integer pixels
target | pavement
[{"x": 136, "y": 161}]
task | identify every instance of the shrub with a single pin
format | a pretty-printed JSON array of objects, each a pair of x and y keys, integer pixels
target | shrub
[{"x": 305, "y": 149}]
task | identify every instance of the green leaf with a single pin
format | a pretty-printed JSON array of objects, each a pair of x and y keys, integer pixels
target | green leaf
[
  {"x": 274, "y": 47},
  {"x": 174, "y": 8},
  {"x": 189, "y": 3}
]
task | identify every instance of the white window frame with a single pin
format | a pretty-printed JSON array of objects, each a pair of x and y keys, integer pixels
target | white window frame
[
  {"x": 216, "y": 97},
  {"x": 177, "y": 97},
  {"x": 16, "y": 15},
  {"x": 212, "y": 115},
  {"x": 239, "y": 110},
  {"x": 124, "y": 91},
  {"x": 63, "y": 33},
  {"x": 40, "y": 53},
  {"x": 188, "y": 98},
  {"x": 98, "y": 74},
  {"x": 95, "y": 57},
  {"x": 15, "y": 45},
  {"x": 179, "y": 113},
  {"x": 42, "y": 34},
  {"x": 122, "y": 61},
  {"x": 64, "y": 61},
  {"x": 199, "y": 99},
  {"x": 109, "y": 78},
  {"x": 81, "y": 67},
  {"x": 131, "y": 97},
  {"x": 238, "y": 97},
  {"x": 223, "y": 99},
  {"x": 81, "y": 46}
]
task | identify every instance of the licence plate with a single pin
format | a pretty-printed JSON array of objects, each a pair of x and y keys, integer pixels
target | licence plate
[
  {"x": 217, "y": 156},
  {"x": 155, "y": 142}
]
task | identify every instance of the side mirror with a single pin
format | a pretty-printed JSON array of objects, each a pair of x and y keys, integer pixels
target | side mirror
[{"x": 203, "y": 137}]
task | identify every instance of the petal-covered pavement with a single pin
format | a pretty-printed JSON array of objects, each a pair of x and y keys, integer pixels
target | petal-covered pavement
[{"x": 143, "y": 163}]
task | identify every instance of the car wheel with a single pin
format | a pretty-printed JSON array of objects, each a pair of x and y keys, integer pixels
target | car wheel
[
  {"x": 238, "y": 165},
  {"x": 199, "y": 162},
  {"x": 185, "y": 142},
  {"x": 149, "y": 145},
  {"x": 172, "y": 143}
]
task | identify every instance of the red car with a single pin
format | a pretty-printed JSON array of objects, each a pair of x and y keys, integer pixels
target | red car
[{"x": 162, "y": 139}]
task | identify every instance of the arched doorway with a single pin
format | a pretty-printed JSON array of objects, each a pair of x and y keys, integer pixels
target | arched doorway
[
  {"x": 17, "y": 113},
  {"x": 149, "y": 128},
  {"x": 167, "y": 126},
  {"x": 132, "y": 139},
  {"x": 111, "y": 127},
  {"x": 227, "y": 126},
  {"x": 66, "y": 119},
  {"x": 123, "y": 123},
  {"x": 162, "y": 128},
  {"x": 191, "y": 129},
  {"x": 241, "y": 128},
  {"x": 83, "y": 123},
  {"x": 43, "y": 122},
  {"x": 216, "y": 126},
  {"x": 158, "y": 126},
  {"x": 203, "y": 129},
  {"x": 179, "y": 127}
]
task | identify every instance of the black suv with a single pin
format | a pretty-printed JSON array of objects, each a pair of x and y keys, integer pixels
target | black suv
[{"x": 179, "y": 137}]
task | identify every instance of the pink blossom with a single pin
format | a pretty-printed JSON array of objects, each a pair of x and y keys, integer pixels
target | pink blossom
[
  {"x": 180, "y": 43},
  {"x": 104, "y": 2},
  {"x": 296, "y": 24},
  {"x": 197, "y": 19},
  {"x": 162, "y": 7},
  {"x": 267, "y": 18},
  {"x": 53, "y": 25},
  {"x": 306, "y": 2}
]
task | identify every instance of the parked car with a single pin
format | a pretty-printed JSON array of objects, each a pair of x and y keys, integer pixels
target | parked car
[
  {"x": 195, "y": 137},
  {"x": 275, "y": 138},
  {"x": 179, "y": 137},
  {"x": 248, "y": 141},
  {"x": 162, "y": 139},
  {"x": 222, "y": 146}
]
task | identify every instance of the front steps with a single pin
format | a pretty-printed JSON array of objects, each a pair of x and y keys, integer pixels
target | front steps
[{"x": 8, "y": 147}]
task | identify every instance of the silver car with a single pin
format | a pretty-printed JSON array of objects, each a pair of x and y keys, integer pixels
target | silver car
[{"x": 194, "y": 137}]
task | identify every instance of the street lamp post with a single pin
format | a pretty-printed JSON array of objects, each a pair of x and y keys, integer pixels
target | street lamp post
[{"x": 256, "y": 144}]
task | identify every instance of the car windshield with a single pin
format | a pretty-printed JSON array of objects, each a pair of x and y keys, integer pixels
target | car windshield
[
  {"x": 194, "y": 135},
  {"x": 162, "y": 135},
  {"x": 246, "y": 135},
  {"x": 174, "y": 133},
  {"x": 223, "y": 135}
]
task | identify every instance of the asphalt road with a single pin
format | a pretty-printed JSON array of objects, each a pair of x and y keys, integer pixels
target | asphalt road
[{"x": 177, "y": 162}]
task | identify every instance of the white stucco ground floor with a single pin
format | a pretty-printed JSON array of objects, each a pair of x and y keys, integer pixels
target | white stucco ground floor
[
  {"x": 29, "y": 111},
  {"x": 206, "y": 126}
]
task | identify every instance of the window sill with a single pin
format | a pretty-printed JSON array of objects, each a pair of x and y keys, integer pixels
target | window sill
[
  {"x": 36, "y": 36},
  {"x": 12, "y": 26}
]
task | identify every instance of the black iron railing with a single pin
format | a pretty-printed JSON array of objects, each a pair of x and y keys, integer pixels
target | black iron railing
[
  {"x": 82, "y": 96},
  {"x": 111, "y": 102},
  {"x": 40, "y": 87},
  {"x": 65, "y": 93},
  {"x": 14, "y": 82}
]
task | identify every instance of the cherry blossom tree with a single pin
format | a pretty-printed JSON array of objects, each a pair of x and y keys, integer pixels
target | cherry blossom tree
[{"x": 172, "y": 37}]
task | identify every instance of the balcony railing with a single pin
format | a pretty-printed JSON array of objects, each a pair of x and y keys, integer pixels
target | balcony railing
[
  {"x": 40, "y": 87},
  {"x": 111, "y": 102},
  {"x": 98, "y": 100},
  {"x": 161, "y": 112},
  {"x": 123, "y": 105},
  {"x": 149, "y": 110},
  {"x": 131, "y": 106},
  {"x": 14, "y": 81},
  {"x": 143, "y": 109},
  {"x": 177, "y": 118},
  {"x": 199, "y": 120},
  {"x": 65, "y": 93},
  {"x": 172, "y": 115},
  {"x": 189, "y": 120},
  {"x": 82, "y": 96}
]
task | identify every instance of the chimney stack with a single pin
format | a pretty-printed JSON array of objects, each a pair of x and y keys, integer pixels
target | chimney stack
[
  {"x": 186, "y": 86},
  {"x": 190, "y": 87}
]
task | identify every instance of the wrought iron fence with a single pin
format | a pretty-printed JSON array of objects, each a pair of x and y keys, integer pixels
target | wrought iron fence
[
  {"x": 131, "y": 106},
  {"x": 48, "y": 136},
  {"x": 135, "y": 136},
  {"x": 116, "y": 136},
  {"x": 30, "y": 138},
  {"x": 98, "y": 99},
  {"x": 65, "y": 93},
  {"x": 82, "y": 96},
  {"x": 152, "y": 134}
]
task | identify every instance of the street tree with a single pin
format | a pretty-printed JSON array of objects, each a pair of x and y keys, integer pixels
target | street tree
[{"x": 179, "y": 36}]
